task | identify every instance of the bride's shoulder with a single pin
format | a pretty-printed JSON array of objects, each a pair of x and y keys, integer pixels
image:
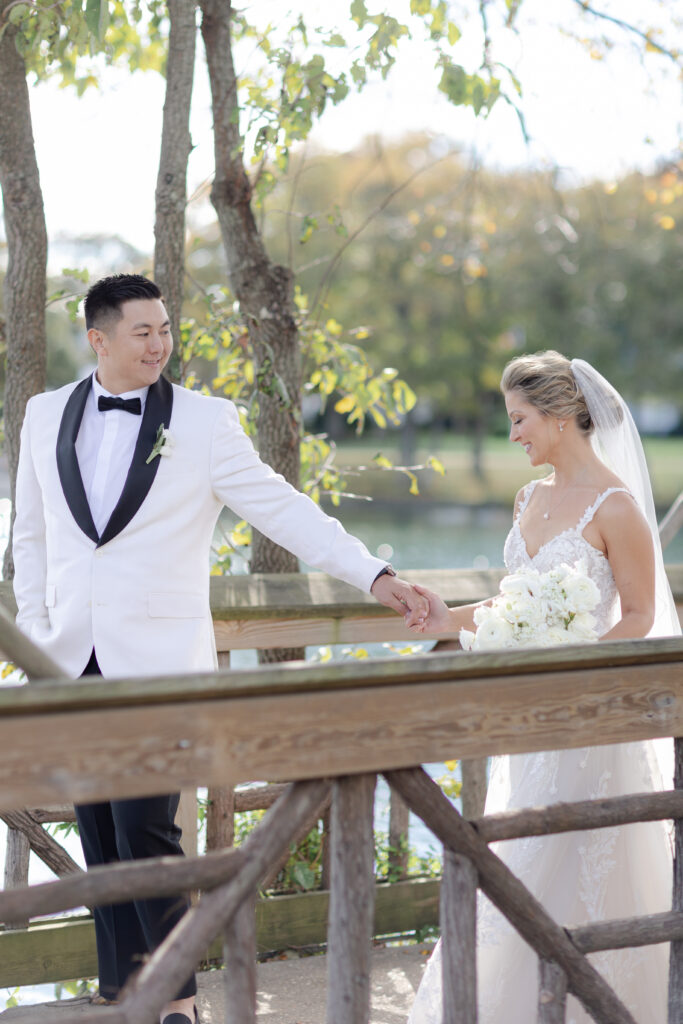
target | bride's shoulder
[{"x": 524, "y": 493}]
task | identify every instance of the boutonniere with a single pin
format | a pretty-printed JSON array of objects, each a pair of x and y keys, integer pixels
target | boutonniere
[{"x": 163, "y": 444}]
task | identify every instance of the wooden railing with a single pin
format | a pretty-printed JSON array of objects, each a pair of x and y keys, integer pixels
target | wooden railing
[{"x": 83, "y": 741}]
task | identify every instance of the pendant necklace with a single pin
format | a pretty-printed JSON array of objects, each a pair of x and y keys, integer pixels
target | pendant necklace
[{"x": 546, "y": 515}]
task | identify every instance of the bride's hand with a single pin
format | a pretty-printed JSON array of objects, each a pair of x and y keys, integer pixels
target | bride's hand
[{"x": 438, "y": 620}]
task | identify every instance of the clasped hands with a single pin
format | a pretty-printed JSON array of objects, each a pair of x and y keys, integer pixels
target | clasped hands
[{"x": 422, "y": 610}]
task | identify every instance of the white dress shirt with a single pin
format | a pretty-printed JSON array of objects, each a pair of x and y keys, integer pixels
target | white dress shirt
[{"x": 104, "y": 448}]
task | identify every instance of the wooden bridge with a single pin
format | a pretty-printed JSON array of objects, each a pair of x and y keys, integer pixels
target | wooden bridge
[{"x": 331, "y": 728}]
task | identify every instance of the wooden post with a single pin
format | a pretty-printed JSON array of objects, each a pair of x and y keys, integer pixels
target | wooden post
[
  {"x": 352, "y": 901},
  {"x": 16, "y": 865},
  {"x": 239, "y": 955},
  {"x": 220, "y": 817},
  {"x": 399, "y": 827},
  {"x": 186, "y": 819},
  {"x": 552, "y": 992},
  {"x": 325, "y": 873},
  {"x": 459, "y": 939},
  {"x": 474, "y": 785},
  {"x": 676, "y": 954}
]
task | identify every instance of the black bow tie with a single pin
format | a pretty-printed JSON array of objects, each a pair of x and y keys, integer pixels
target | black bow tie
[{"x": 133, "y": 405}]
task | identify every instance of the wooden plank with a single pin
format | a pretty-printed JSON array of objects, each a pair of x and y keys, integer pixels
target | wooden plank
[
  {"x": 263, "y": 596},
  {"x": 351, "y": 900},
  {"x": 145, "y": 748},
  {"x": 248, "y": 610},
  {"x": 459, "y": 939},
  {"x": 89, "y": 694},
  {"x": 60, "y": 950}
]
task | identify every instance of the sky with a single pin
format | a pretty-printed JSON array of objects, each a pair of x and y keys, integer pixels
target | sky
[{"x": 593, "y": 118}]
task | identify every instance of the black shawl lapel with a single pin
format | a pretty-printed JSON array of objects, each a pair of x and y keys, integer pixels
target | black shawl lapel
[
  {"x": 158, "y": 408},
  {"x": 67, "y": 462}
]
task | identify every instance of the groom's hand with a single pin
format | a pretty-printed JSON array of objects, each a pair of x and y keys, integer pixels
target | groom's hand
[{"x": 393, "y": 592}]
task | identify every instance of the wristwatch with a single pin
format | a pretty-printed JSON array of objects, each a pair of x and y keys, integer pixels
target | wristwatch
[{"x": 388, "y": 570}]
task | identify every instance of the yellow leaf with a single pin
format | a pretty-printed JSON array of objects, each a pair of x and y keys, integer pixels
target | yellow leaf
[
  {"x": 450, "y": 765},
  {"x": 345, "y": 404},
  {"x": 334, "y": 328},
  {"x": 439, "y": 231},
  {"x": 436, "y": 465},
  {"x": 666, "y": 222},
  {"x": 382, "y": 461}
]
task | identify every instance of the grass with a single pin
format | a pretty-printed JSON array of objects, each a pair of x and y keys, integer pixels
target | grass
[{"x": 506, "y": 469}]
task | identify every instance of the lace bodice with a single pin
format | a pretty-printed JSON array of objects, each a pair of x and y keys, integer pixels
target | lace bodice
[{"x": 568, "y": 547}]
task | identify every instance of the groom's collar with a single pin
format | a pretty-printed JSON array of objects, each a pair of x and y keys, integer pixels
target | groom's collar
[{"x": 141, "y": 474}]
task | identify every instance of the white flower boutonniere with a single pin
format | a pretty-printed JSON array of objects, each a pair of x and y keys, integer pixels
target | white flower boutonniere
[{"x": 163, "y": 444}]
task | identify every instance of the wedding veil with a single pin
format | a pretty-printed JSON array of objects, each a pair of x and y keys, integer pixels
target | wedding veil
[{"x": 617, "y": 443}]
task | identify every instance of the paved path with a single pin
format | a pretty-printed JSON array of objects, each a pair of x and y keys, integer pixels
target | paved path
[{"x": 293, "y": 991}]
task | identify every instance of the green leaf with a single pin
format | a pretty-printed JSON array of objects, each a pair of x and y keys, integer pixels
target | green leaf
[
  {"x": 303, "y": 875},
  {"x": 359, "y": 12}
]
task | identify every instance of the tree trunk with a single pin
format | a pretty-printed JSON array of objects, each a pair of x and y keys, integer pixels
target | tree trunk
[
  {"x": 25, "y": 281},
  {"x": 263, "y": 289},
  {"x": 171, "y": 193}
]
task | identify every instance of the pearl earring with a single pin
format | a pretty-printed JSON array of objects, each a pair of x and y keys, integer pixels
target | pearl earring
[{"x": 561, "y": 426}]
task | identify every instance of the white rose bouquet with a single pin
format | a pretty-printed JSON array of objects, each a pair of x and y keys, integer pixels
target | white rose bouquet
[{"x": 537, "y": 609}]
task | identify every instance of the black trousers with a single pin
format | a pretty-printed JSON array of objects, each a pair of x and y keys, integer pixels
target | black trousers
[{"x": 120, "y": 830}]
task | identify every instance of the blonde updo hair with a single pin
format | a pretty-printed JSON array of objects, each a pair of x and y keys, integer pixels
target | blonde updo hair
[{"x": 546, "y": 381}]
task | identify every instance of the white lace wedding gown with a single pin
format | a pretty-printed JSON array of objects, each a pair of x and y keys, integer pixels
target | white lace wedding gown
[{"x": 578, "y": 876}]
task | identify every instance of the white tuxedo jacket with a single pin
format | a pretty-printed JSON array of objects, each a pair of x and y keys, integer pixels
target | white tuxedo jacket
[{"x": 139, "y": 593}]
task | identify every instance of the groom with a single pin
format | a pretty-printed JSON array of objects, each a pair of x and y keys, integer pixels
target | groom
[{"x": 120, "y": 482}]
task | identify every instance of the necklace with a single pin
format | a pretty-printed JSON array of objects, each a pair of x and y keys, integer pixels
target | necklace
[{"x": 546, "y": 515}]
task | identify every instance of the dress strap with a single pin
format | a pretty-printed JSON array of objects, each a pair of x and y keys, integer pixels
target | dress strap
[
  {"x": 528, "y": 491},
  {"x": 592, "y": 509}
]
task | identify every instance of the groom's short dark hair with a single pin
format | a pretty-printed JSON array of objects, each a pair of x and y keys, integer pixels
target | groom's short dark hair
[{"x": 102, "y": 306}]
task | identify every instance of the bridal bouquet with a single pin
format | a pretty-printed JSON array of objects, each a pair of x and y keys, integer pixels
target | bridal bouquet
[{"x": 537, "y": 609}]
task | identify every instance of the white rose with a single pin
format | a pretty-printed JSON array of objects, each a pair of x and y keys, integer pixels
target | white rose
[
  {"x": 582, "y": 628},
  {"x": 466, "y": 639},
  {"x": 493, "y": 632},
  {"x": 482, "y": 613},
  {"x": 582, "y": 594}
]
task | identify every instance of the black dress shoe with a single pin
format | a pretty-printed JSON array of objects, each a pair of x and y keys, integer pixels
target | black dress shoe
[{"x": 180, "y": 1018}]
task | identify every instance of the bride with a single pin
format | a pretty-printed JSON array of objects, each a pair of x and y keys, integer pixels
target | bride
[{"x": 595, "y": 506}]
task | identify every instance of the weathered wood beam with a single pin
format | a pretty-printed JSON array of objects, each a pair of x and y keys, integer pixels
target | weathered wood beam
[
  {"x": 513, "y": 899},
  {"x": 584, "y": 814},
  {"x": 42, "y": 843},
  {"x": 176, "y": 957},
  {"x": 16, "y": 867},
  {"x": 459, "y": 939},
  {"x": 220, "y": 817},
  {"x": 629, "y": 931},
  {"x": 352, "y": 897},
  {"x": 239, "y": 958},
  {"x": 399, "y": 828},
  {"x": 252, "y": 798},
  {"x": 119, "y": 883},
  {"x": 552, "y": 993},
  {"x": 676, "y": 952},
  {"x": 198, "y": 730}
]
